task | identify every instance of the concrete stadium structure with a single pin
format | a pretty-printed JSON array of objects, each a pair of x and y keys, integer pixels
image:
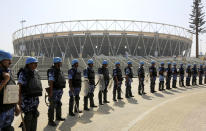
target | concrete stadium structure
[{"x": 87, "y": 38}]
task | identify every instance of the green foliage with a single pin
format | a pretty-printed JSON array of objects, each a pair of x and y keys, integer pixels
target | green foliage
[{"x": 197, "y": 17}]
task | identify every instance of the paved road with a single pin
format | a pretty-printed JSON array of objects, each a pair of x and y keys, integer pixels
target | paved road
[{"x": 181, "y": 109}]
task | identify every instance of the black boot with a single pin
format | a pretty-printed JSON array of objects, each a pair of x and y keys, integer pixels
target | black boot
[
  {"x": 8, "y": 128},
  {"x": 51, "y": 114},
  {"x": 143, "y": 90},
  {"x": 127, "y": 92},
  {"x": 180, "y": 83},
  {"x": 119, "y": 93},
  {"x": 160, "y": 89},
  {"x": 105, "y": 96},
  {"x": 183, "y": 84},
  {"x": 100, "y": 98},
  {"x": 76, "y": 108},
  {"x": 139, "y": 89},
  {"x": 130, "y": 92},
  {"x": 92, "y": 100},
  {"x": 71, "y": 106},
  {"x": 114, "y": 92},
  {"x": 59, "y": 112},
  {"x": 114, "y": 97},
  {"x": 86, "y": 103},
  {"x": 187, "y": 82},
  {"x": 52, "y": 123}
]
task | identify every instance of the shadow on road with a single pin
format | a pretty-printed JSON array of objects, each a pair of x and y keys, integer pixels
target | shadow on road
[
  {"x": 132, "y": 101},
  {"x": 146, "y": 97},
  {"x": 68, "y": 123},
  {"x": 86, "y": 117},
  {"x": 119, "y": 103},
  {"x": 167, "y": 92},
  {"x": 104, "y": 109},
  {"x": 175, "y": 91},
  {"x": 181, "y": 89},
  {"x": 158, "y": 94}
]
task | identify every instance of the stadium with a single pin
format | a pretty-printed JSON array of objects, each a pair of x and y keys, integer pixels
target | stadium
[
  {"x": 113, "y": 40},
  {"x": 87, "y": 38}
]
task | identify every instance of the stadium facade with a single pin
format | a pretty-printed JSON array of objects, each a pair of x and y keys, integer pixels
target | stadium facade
[{"x": 86, "y": 38}]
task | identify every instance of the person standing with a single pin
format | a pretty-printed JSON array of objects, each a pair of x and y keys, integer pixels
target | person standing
[
  {"x": 194, "y": 75},
  {"x": 117, "y": 77},
  {"x": 174, "y": 76},
  {"x": 90, "y": 75},
  {"x": 205, "y": 74},
  {"x": 74, "y": 75},
  {"x": 141, "y": 76},
  {"x": 182, "y": 75},
  {"x": 201, "y": 73},
  {"x": 153, "y": 76},
  {"x": 161, "y": 76},
  {"x": 56, "y": 82},
  {"x": 168, "y": 76},
  {"x": 105, "y": 73},
  {"x": 128, "y": 82},
  {"x": 30, "y": 90},
  {"x": 189, "y": 74},
  {"x": 7, "y": 111}
]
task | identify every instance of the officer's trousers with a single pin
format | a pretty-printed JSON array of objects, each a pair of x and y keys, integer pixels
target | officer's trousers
[
  {"x": 205, "y": 80},
  {"x": 90, "y": 96},
  {"x": 75, "y": 106},
  {"x": 152, "y": 84},
  {"x": 7, "y": 128},
  {"x": 103, "y": 93},
  {"x": 117, "y": 90},
  {"x": 141, "y": 86},
  {"x": 174, "y": 83},
  {"x": 194, "y": 80},
  {"x": 128, "y": 89},
  {"x": 52, "y": 106},
  {"x": 200, "y": 79},
  {"x": 161, "y": 85},
  {"x": 30, "y": 120},
  {"x": 181, "y": 81},
  {"x": 168, "y": 79},
  {"x": 6, "y": 119},
  {"x": 188, "y": 81}
]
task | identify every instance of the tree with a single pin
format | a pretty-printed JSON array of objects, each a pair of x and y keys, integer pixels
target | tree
[{"x": 197, "y": 21}]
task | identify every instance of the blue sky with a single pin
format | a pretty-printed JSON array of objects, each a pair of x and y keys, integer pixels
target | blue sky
[{"x": 174, "y": 12}]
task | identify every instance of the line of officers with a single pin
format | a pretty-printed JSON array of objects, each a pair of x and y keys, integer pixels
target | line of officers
[{"x": 30, "y": 87}]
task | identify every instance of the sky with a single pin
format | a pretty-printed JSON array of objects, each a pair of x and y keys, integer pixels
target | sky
[{"x": 175, "y": 12}]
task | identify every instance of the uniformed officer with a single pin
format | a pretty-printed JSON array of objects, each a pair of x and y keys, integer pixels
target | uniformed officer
[
  {"x": 174, "y": 75},
  {"x": 201, "y": 73},
  {"x": 205, "y": 74},
  {"x": 117, "y": 77},
  {"x": 74, "y": 75},
  {"x": 189, "y": 74},
  {"x": 57, "y": 82},
  {"x": 194, "y": 75},
  {"x": 182, "y": 75},
  {"x": 153, "y": 75},
  {"x": 141, "y": 76},
  {"x": 161, "y": 76},
  {"x": 6, "y": 110},
  {"x": 168, "y": 75},
  {"x": 90, "y": 75},
  {"x": 128, "y": 82},
  {"x": 30, "y": 90},
  {"x": 105, "y": 72}
]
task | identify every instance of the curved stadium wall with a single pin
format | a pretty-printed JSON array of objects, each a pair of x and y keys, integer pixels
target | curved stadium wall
[{"x": 86, "y": 38}]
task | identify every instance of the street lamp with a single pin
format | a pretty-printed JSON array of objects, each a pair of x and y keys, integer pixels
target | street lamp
[{"x": 22, "y": 27}]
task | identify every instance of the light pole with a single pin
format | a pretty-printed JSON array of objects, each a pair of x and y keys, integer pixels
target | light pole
[{"x": 22, "y": 27}]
